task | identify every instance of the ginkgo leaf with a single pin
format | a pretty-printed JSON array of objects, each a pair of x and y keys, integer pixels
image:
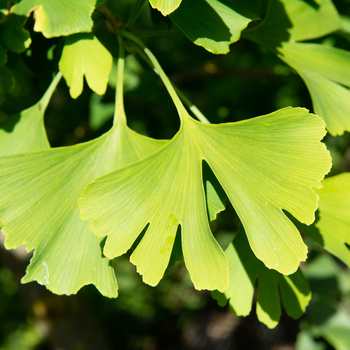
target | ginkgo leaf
[
  {"x": 326, "y": 72},
  {"x": 296, "y": 20},
  {"x": 332, "y": 229},
  {"x": 48, "y": 15},
  {"x": 84, "y": 55},
  {"x": 245, "y": 269},
  {"x": 215, "y": 24},
  {"x": 40, "y": 209},
  {"x": 165, "y": 6},
  {"x": 25, "y": 131},
  {"x": 265, "y": 165}
]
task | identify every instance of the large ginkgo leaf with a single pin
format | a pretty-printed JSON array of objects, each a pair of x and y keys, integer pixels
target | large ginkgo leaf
[
  {"x": 165, "y": 6},
  {"x": 326, "y": 72},
  {"x": 84, "y": 55},
  {"x": 38, "y": 206},
  {"x": 215, "y": 24},
  {"x": 25, "y": 131},
  {"x": 40, "y": 209},
  {"x": 56, "y": 18},
  {"x": 265, "y": 165},
  {"x": 245, "y": 269},
  {"x": 332, "y": 229}
]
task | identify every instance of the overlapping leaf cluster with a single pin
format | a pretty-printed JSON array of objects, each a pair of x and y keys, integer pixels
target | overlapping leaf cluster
[{"x": 143, "y": 193}]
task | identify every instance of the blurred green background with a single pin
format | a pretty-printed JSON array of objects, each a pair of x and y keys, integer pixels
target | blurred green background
[{"x": 248, "y": 82}]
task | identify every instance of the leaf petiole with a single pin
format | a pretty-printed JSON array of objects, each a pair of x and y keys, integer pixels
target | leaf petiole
[
  {"x": 50, "y": 90},
  {"x": 119, "y": 111},
  {"x": 144, "y": 52},
  {"x": 159, "y": 70}
]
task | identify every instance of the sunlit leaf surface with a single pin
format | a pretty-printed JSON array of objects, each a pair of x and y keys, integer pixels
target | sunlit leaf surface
[
  {"x": 326, "y": 72},
  {"x": 41, "y": 208},
  {"x": 332, "y": 230},
  {"x": 165, "y": 6},
  {"x": 265, "y": 165},
  {"x": 56, "y": 18},
  {"x": 84, "y": 55},
  {"x": 245, "y": 269}
]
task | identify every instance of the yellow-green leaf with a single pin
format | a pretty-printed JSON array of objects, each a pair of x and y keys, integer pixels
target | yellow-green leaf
[
  {"x": 326, "y": 72},
  {"x": 165, "y": 6},
  {"x": 84, "y": 55},
  {"x": 265, "y": 165},
  {"x": 38, "y": 208},
  {"x": 56, "y": 18},
  {"x": 332, "y": 229}
]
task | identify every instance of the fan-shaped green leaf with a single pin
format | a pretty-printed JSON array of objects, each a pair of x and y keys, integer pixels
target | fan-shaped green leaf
[
  {"x": 84, "y": 55},
  {"x": 326, "y": 72},
  {"x": 264, "y": 165},
  {"x": 56, "y": 18},
  {"x": 215, "y": 24},
  {"x": 41, "y": 208},
  {"x": 332, "y": 230},
  {"x": 165, "y": 6},
  {"x": 245, "y": 269}
]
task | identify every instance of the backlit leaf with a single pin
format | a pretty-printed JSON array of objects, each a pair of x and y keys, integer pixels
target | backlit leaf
[
  {"x": 215, "y": 24},
  {"x": 165, "y": 190},
  {"x": 245, "y": 269},
  {"x": 332, "y": 230},
  {"x": 41, "y": 208},
  {"x": 326, "y": 72},
  {"x": 84, "y": 55},
  {"x": 56, "y": 18},
  {"x": 165, "y": 6}
]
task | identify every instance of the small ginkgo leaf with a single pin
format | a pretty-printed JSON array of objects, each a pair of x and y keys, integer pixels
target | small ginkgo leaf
[
  {"x": 326, "y": 72},
  {"x": 245, "y": 270},
  {"x": 265, "y": 165},
  {"x": 25, "y": 131},
  {"x": 49, "y": 15},
  {"x": 40, "y": 209},
  {"x": 332, "y": 229},
  {"x": 165, "y": 6},
  {"x": 84, "y": 55},
  {"x": 215, "y": 24}
]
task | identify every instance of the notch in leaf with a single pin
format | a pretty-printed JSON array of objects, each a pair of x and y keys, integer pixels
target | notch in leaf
[
  {"x": 245, "y": 269},
  {"x": 265, "y": 165},
  {"x": 38, "y": 206}
]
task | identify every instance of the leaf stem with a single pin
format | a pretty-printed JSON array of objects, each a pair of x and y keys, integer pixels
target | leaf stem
[
  {"x": 50, "y": 90},
  {"x": 194, "y": 109},
  {"x": 134, "y": 14},
  {"x": 119, "y": 111},
  {"x": 157, "y": 67}
]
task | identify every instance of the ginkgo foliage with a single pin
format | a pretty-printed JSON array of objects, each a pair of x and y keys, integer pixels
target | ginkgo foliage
[{"x": 78, "y": 207}]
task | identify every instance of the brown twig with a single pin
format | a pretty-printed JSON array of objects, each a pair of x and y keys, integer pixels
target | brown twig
[{"x": 114, "y": 23}]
